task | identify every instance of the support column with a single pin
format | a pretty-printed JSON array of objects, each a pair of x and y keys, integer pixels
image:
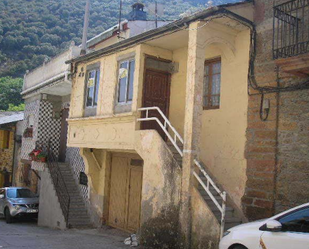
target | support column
[{"x": 192, "y": 126}]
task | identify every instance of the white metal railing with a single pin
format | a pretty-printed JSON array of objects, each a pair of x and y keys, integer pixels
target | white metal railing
[
  {"x": 167, "y": 124},
  {"x": 222, "y": 194},
  {"x": 209, "y": 182}
]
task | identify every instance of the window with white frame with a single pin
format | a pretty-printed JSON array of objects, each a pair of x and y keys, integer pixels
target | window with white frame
[
  {"x": 93, "y": 83},
  {"x": 125, "y": 81}
]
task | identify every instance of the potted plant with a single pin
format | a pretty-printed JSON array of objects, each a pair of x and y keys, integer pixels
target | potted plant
[
  {"x": 41, "y": 157},
  {"x": 28, "y": 132},
  {"x": 38, "y": 155}
]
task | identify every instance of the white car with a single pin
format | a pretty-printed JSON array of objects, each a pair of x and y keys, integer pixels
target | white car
[{"x": 288, "y": 230}]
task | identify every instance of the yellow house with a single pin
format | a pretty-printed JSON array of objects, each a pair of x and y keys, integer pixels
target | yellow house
[
  {"x": 10, "y": 123},
  {"x": 161, "y": 121}
]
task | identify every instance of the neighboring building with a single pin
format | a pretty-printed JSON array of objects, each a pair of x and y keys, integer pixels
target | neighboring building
[
  {"x": 277, "y": 148},
  {"x": 10, "y": 142},
  {"x": 46, "y": 92},
  {"x": 195, "y": 71}
]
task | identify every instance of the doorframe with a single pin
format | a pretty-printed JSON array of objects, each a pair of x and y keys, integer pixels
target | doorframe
[
  {"x": 128, "y": 156},
  {"x": 160, "y": 71}
]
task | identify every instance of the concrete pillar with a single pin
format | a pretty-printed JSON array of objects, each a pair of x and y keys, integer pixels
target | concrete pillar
[{"x": 192, "y": 125}]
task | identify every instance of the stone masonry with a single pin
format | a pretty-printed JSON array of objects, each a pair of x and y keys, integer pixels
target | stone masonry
[{"x": 277, "y": 149}]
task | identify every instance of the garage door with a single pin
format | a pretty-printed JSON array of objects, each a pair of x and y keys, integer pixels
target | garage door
[{"x": 125, "y": 193}]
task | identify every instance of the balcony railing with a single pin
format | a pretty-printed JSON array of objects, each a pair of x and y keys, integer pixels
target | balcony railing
[{"x": 291, "y": 29}]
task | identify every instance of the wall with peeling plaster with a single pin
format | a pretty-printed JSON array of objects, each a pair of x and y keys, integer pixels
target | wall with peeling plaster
[
  {"x": 205, "y": 226},
  {"x": 160, "y": 192},
  {"x": 223, "y": 136}
]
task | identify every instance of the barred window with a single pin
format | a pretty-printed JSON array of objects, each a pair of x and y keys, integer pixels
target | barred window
[{"x": 212, "y": 84}]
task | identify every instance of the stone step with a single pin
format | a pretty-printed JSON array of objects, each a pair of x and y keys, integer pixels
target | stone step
[
  {"x": 79, "y": 215},
  {"x": 231, "y": 222}
]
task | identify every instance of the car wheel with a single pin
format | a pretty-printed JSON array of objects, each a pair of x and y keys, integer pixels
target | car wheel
[{"x": 8, "y": 216}]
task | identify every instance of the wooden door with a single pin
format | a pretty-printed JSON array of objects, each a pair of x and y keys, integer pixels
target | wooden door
[
  {"x": 156, "y": 93},
  {"x": 63, "y": 135},
  {"x": 125, "y": 194},
  {"x": 135, "y": 196},
  {"x": 118, "y": 193}
]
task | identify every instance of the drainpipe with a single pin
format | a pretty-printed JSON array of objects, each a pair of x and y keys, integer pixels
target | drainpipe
[{"x": 85, "y": 30}]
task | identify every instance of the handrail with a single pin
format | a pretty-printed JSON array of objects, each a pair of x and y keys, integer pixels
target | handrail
[
  {"x": 59, "y": 184},
  {"x": 164, "y": 127},
  {"x": 210, "y": 182},
  {"x": 222, "y": 194}
]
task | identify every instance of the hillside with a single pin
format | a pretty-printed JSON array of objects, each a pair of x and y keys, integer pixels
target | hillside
[{"x": 31, "y": 30}]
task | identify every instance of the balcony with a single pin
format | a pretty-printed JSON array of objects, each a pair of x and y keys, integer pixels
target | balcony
[
  {"x": 48, "y": 76},
  {"x": 291, "y": 37}
]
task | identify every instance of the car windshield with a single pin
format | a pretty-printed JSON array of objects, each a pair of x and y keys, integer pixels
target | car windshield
[{"x": 20, "y": 193}]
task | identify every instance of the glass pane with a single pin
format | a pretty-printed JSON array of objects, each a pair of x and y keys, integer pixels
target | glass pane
[
  {"x": 123, "y": 77},
  {"x": 296, "y": 222},
  {"x": 131, "y": 80},
  {"x": 216, "y": 82},
  {"x": 216, "y": 68},
  {"x": 97, "y": 86},
  {"x": 215, "y": 100},
  {"x": 122, "y": 90},
  {"x": 206, "y": 104},
  {"x": 206, "y": 70},
  {"x": 90, "y": 88},
  {"x": 206, "y": 85}
]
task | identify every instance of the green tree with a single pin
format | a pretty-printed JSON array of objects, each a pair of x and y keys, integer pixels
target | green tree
[
  {"x": 16, "y": 108},
  {"x": 10, "y": 90}
]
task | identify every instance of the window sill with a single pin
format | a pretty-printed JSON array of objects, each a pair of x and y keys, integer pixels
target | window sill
[{"x": 211, "y": 108}]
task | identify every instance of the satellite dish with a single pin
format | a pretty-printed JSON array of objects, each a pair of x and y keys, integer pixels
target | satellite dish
[{"x": 156, "y": 8}]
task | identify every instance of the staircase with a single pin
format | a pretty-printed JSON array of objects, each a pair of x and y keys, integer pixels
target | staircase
[
  {"x": 78, "y": 216},
  {"x": 231, "y": 218},
  {"x": 215, "y": 198}
]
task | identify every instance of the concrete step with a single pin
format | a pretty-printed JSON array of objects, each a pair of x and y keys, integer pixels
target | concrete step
[
  {"x": 231, "y": 222},
  {"x": 84, "y": 216}
]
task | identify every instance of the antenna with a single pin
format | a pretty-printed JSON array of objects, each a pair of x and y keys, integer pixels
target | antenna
[
  {"x": 156, "y": 9},
  {"x": 120, "y": 16}
]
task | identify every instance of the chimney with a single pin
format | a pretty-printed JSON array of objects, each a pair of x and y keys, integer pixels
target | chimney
[
  {"x": 85, "y": 30},
  {"x": 138, "y": 12}
]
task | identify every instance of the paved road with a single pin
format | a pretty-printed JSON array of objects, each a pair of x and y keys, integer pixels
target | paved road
[{"x": 27, "y": 235}]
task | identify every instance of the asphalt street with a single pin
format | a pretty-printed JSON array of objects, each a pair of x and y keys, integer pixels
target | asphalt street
[{"x": 27, "y": 235}]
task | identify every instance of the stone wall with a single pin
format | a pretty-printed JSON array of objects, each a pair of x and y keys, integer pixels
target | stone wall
[
  {"x": 6, "y": 154},
  {"x": 277, "y": 149}
]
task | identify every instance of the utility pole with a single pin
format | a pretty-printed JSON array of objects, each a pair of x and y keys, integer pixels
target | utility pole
[
  {"x": 85, "y": 30},
  {"x": 156, "y": 10},
  {"x": 120, "y": 16}
]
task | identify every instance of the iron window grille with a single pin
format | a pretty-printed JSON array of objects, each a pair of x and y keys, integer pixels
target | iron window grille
[{"x": 291, "y": 29}]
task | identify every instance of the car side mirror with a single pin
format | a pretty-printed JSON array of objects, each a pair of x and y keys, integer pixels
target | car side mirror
[
  {"x": 1, "y": 196},
  {"x": 273, "y": 226}
]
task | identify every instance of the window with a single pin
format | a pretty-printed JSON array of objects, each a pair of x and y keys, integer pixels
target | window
[
  {"x": 93, "y": 83},
  {"x": 6, "y": 140},
  {"x": 298, "y": 221},
  {"x": 212, "y": 84},
  {"x": 126, "y": 80}
]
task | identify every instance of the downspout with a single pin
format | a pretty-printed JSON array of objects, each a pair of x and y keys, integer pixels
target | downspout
[{"x": 14, "y": 154}]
